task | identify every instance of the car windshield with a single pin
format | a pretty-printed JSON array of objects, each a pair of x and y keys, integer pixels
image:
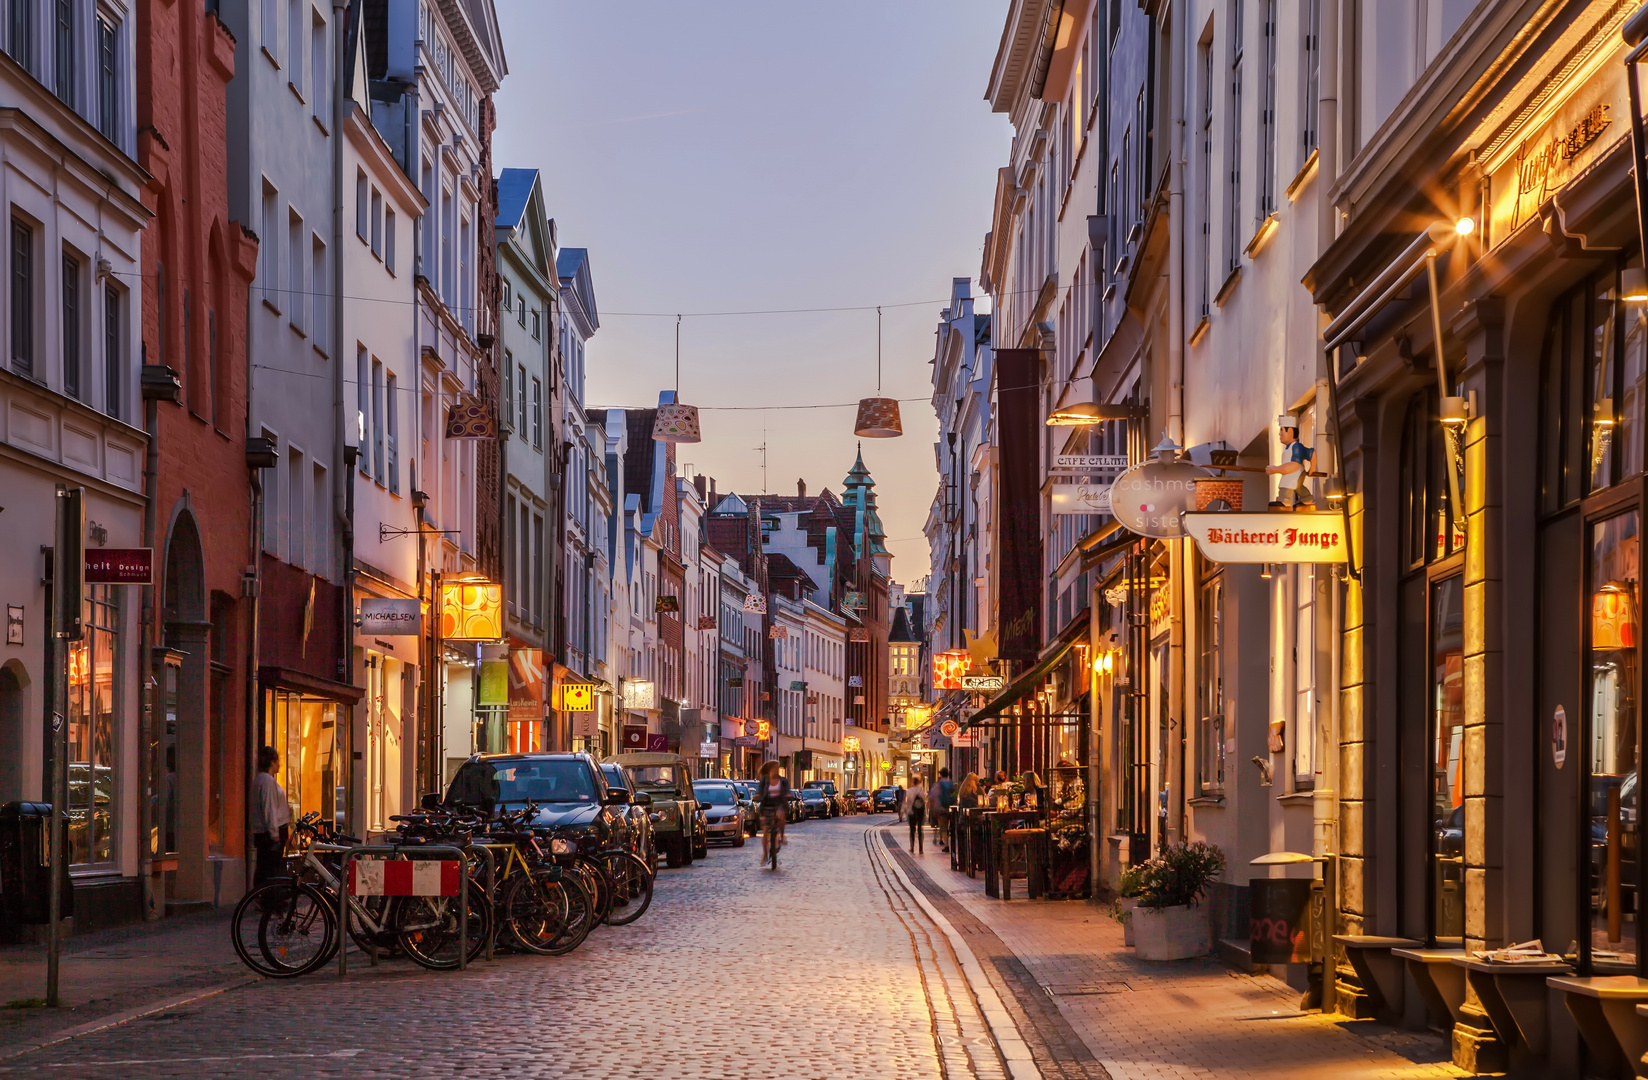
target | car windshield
[
  {"x": 656, "y": 777},
  {"x": 715, "y": 794},
  {"x": 614, "y": 775},
  {"x": 487, "y": 783},
  {"x": 812, "y": 793}
]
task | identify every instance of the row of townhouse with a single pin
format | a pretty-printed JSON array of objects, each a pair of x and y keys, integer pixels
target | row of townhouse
[{"x": 1408, "y": 235}]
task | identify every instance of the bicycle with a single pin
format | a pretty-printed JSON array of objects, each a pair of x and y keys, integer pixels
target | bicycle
[{"x": 772, "y": 833}]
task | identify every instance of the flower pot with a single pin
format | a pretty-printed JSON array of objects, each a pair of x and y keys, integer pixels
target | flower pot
[
  {"x": 1173, "y": 933},
  {"x": 1127, "y": 904}
]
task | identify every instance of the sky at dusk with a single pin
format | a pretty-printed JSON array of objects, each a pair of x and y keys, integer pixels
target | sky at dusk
[{"x": 731, "y": 155}]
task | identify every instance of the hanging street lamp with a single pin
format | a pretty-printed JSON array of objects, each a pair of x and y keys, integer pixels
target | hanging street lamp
[
  {"x": 676, "y": 423},
  {"x": 878, "y": 416}
]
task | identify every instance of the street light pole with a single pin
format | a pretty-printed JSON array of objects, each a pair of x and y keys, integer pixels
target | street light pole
[{"x": 68, "y": 588}]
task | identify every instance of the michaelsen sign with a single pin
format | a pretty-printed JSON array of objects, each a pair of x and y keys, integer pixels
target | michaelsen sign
[{"x": 1288, "y": 537}]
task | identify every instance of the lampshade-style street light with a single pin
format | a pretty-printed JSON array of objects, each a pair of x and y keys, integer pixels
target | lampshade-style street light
[
  {"x": 878, "y": 416},
  {"x": 676, "y": 423}
]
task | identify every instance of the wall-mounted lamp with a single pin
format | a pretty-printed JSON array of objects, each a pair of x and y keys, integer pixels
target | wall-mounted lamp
[
  {"x": 1464, "y": 227},
  {"x": 1633, "y": 285},
  {"x": 1454, "y": 411},
  {"x": 1264, "y": 571},
  {"x": 1334, "y": 491}
]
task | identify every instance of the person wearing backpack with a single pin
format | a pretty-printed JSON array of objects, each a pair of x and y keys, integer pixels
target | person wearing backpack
[
  {"x": 915, "y": 812},
  {"x": 944, "y": 802}
]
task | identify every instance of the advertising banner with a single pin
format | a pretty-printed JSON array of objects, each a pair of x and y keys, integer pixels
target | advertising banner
[
  {"x": 1021, "y": 431},
  {"x": 526, "y": 684},
  {"x": 494, "y": 686}
]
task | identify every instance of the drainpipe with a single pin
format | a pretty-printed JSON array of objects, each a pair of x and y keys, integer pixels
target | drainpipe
[
  {"x": 1178, "y": 549},
  {"x": 145, "y": 657},
  {"x": 343, "y": 471}
]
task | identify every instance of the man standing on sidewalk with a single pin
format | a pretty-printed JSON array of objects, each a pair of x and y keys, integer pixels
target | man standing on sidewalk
[
  {"x": 944, "y": 800},
  {"x": 271, "y": 816},
  {"x": 915, "y": 812}
]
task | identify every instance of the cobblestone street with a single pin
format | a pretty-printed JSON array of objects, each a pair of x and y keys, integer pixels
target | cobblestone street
[{"x": 844, "y": 964}]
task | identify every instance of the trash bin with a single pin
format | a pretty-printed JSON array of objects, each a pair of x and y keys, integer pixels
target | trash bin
[
  {"x": 1279, "y": 920},
  {"x": 25, "y": 864}
]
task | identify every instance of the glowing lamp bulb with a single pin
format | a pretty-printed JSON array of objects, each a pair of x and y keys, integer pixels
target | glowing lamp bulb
[{"x": 1464, "y": 226}]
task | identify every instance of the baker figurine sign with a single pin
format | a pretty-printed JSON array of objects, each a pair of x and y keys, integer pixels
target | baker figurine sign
[{"x": 1292, "y": 492}]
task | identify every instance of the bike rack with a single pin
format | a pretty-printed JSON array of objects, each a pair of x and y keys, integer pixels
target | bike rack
[
  {"x": 456, "y": 853},
  {"x": 491, "y": 888}
]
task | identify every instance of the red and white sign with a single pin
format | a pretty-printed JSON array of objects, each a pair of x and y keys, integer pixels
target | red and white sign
[
  {"x": 1284, "y": 537},
  {"x": 403, "y": 877}
]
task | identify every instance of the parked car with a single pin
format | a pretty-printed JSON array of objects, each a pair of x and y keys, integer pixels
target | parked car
[
  {"x": 723, "y": 812},
  {"x": 885, "y": 798},
  {"x": 638, "y": 818},
  {"x": 678, "y": 825},
  {"x": 860, "y": 798},
  {"x": 818, "y": 802},
  {"x": 797, "y": 810},
  {"x": 570, "y": 791}
]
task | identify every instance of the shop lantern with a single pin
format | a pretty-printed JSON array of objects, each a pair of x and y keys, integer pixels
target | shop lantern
[
  {"x": 472, "y": 611},
  {"x": 878, "y": 416},
  {"x": 675, "y": 422},
  {"x": 949, "y": 667},
  {"x": 640, "y": 694},
  {"x": 1613, "y": 618}
]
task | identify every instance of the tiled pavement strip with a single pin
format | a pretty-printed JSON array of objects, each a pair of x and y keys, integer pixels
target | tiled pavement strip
[{"x": 1187, "y": 1020}]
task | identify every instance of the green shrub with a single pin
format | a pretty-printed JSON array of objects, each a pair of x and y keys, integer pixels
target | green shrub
[{"x": 1179, "y": 876}]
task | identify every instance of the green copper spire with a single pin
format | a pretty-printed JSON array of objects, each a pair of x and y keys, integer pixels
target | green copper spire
[{"x": 858, "y": 492}]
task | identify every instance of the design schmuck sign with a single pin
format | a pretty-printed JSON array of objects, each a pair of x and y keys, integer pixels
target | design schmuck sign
[{"x": 1295, "y": 537}]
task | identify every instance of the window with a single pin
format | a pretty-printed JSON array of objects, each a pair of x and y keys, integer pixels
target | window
[
  {"x": 294, "y": 45},
  {"x": 466, "y": 286},
  {"x": 94, "y": 695},
  {"x": 1307, "y": 661},
  {"x": 294, "y": 269},
  {"x": 22, "y": 296},
  {"x": 1113, "y": 240},
  {"x": 1233, "y": 121},
  {"x": 271, "y": 31},
  {"x": 1141, "y": 158},
  {"x": 1447, "y": 752},
  {"x": 520, "y": 397},
  {"x": 377, "y": 223},
  {"x": 362, "y": 405},
  {"x": 377, "y": 420},
  {"x": 512, "y": 555},
  {"x": 509, "y": 295},
  {"x": 537, "y": 415},
  {"x": 20, "y": 32},
  {"x": 535, "y": 325},
  {"x": 363, "y": 213},
  {"x": 391, "y": 409},
  {"x": 537, "y": 569},
  {"x": 269, "y": 247},
  {"x": 1267, "y": 119},
  {"x": 509, "y": 385},
  {"x": 520, "y": 313},
  {"x": 108, "y": 79},
  {"x": 111, "y": 352},
  {"x": 1204, "y": 271},
  {"x": 1312, "y": 63},
  {"x": 389, "y": 240},
  {"x": 320, "y": 539},
  {"x": 63, "y": 49},
  {"x": 71, "y": 326},
  {"x": 297, "y": 488},
  {"x": 1612, "y": 761},
  {"x": 319, "y": 71},
  {"x": 320, "y": 296}
]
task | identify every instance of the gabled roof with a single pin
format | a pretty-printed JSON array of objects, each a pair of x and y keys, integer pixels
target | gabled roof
[
  {"x": 522, "y": 221},
  {"x": 900, "y": 634},
  {"x": 514, "y": 189},
  {"x": 578, "y": 289}
]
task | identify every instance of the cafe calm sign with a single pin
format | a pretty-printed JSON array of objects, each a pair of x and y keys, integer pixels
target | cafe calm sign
[{"x": 1297, "y": 537}]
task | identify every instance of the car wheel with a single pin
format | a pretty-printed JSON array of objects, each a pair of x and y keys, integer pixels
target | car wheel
[
  {"x": 702, "y": 851},
  {"x": 674, "y": 853},
  {"x": 738, "y": 838}
]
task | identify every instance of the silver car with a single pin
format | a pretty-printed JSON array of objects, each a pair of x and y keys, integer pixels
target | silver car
[{"x": 722, "y": 812}]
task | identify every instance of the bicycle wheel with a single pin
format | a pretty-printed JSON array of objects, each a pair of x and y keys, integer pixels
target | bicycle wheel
[
  {"x": 580, "y": 916},
  {"x": 428, "y": 928},
  {"x": 535, "y": 909},
  {"x": 283, "y": 929},
  {"x": 631, "y": 888},
  {"x": 600, "y": 886}
]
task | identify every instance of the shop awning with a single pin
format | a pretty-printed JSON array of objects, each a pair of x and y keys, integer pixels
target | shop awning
[
  {"x": 270, "y": 675},
  {"x": 1024, "y": 684}
]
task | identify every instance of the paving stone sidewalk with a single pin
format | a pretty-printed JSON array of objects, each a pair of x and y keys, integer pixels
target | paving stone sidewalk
[{"x": 1187, "y": 1020}]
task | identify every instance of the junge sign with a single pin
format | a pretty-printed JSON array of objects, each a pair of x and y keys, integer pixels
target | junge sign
[{"x": 1286, "y": 537}]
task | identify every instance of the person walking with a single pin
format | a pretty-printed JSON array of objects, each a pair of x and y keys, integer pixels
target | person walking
[
  {"x": 944, "y": 801},
  {"x": 915, "y": 812},
  {"x": 898, "y": 803},
  {"x": 271, "y": 818}
]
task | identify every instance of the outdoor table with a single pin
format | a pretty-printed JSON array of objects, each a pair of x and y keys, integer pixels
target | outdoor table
[{"x": 997, "y": 822}]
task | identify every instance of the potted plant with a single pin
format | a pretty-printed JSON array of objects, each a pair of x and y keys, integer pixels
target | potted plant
[
  {"x": 1127, "y": 898},
  {"x": 1169, "y": 923}
]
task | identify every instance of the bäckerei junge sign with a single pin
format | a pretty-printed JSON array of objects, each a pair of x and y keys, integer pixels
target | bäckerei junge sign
[{"x": 1296, "y": 537}]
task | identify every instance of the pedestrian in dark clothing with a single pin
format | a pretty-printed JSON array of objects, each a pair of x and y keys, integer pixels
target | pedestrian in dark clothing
[
  {"x": 915, "y": 812},
  {"x": 944, "y": 801}
]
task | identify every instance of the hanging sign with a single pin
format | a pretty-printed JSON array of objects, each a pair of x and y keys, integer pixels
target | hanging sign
[
  {"x": 1287, "y": 537},
  {"x": 755, "y": 602},
  {"x": 949, "y": 667},
  {"x": 709, "y": 749},
  {"x": 855, "y": 680},
  {"x": 586, "y": 725},
  {"x": 472, "y": 611},
  {"x": 1071, "y": 497},
  {"x": 124, "y": 566},
  {"x": 526, "y": 684},
  {"x": 1559, "y": 736},
  {"x": 469, "y": 419},
  {"x": 494, "y": 685},
  {"x": 854, "y": 600},
  {"x": 657, "y": 742},
  {"x": 575, "y": 698},
  {"x": 635, "y": 737},
  {"x": 983, "y": 682},
  {"x": 1150, "y": 499},
  {"x": 639, "y": 694},
  {"x": 948, "y": 729},
  {"x": 388, "y": 618},
  {"x": 777, "y": 632},
  {"x": 796, "y": 686}
]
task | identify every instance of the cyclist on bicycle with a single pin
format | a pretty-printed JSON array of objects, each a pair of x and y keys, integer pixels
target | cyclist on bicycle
[{"x": 773, "y": 799}]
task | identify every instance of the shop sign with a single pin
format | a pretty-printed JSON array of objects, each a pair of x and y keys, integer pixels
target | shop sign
[
  {"x": 635, "y": 737},
  {"x": 494, "y": 684},
  {"x": 1151, "y": 499},
  {"x": 948, "y": 729},
  {"x": 657, "y": 742},
  {"x": 709, "y": 750},
  {"x": 472, "y": 611},
  {"x": 1287, "y": 537},
  {"x": 983, "y": 682},
  {"x": 763, "y": 730},
  {"x": 796, "y": 686},
  {"x": 706, "y": 622},
  {"x": 586, "y": 725},
  {"x": 124, "y": 566},
  {"x": 1091, "y": 462},
  {"x": 640, "y": 694},
  {"x": 1072, "y": 497},
  {"x": 1559, "y": 736},
  {"x": 1161, "y": 611},
  {"x": 854, "y": 600},
  {"x": 526, "y": 684},
  {"x": 387, "y": 618},
  {"x": 575, "y": 697}
]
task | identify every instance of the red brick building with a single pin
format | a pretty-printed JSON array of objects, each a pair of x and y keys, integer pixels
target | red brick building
[{"x": 197, "y": 267}]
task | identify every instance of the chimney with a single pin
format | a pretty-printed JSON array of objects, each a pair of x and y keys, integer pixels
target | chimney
[
  {"x": 698, "y": 483},
  {"x": 801, "y": 488}
]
